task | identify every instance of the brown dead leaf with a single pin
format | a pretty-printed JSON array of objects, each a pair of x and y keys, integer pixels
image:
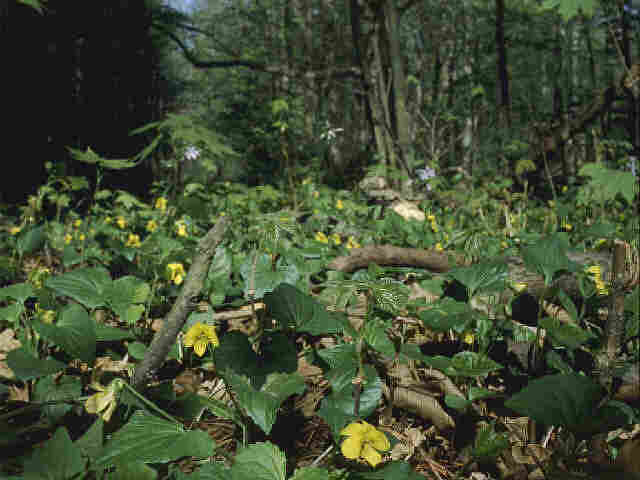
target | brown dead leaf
[
  {"x": 187, "y": 381},
  {"x": 629, "y": 457},
  {"x": 17, "y": 394},
  {"x": 7, "y": 341}
]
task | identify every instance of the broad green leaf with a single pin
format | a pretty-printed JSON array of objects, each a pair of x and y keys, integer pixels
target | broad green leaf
[
  {"x": 311, "y": 473},
  {"x": 123, "y": 293},
  {"x": 369, "y": 397},
  {"x": 132, "y": 471},
  {"x": 260, "y": 461},
  {"x": 374, "y": 333},
  {"x": 265, "y": 279},
  {"x": 105, "y": 333},
  {"x": 607, "y": 183},
  {"x": 49, "y": 389},
  {"x": 396, "y": 469},
  {"x": 137, "y": 350},
  {"x": 86, "y": 285},
  {"x": 262, "y": 406},
  {"x": 567, "y": 400},
  {"x": 17, "y": 291},
  {"x": 57, "y": 459},
  {"x": 11, "y": 313},
  {"x": 567, "y": 335},
  {"x": 457, "y": 402},
  {"x": 149, "y": 439},
  {"x": 486, "y": 276},
  {"x": 74, "y": 333},
  {"x": 472, "y": 364},
  {"x": 291, "y": 307},
  {"x": 489, "y": 443},
  {"x": 210, "y": 471},
  {"x": 31, "y": 240},
  {"x": 447, "y": 314},
  {"x": 569, "y": 9},
  {"x": 90, "y": 444},
  {"x": 35, "y": 4},
  {"x": 27, "y": 367},
  {"x": 547, "y": 257}
]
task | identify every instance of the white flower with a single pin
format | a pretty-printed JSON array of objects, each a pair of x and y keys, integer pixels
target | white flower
[{"x": 191, "y": 153}]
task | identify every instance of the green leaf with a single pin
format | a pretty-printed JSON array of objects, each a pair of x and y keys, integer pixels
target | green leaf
[
  {"x": 472, "y": 364},
  {"x": 374, "y": 333},
  {"x": 105, "y": 333},
  {"x": 56, "y": 460},
  {"x": 262, "y": 406},
  {"x": 11, "y": 313},
  {"x": 49, "y": 389},
  {"x": 149, "y": 439},
  {"x": 311, "y": 473},
  {"x": 569, "y": 9},
  {"x": 457, "y": 402},
  {"x": 17, "y": 291},
  {"x": 86, "y": 285},
  {"x": 547, "y": 257},
  {"x": 447, "y": 314},
  {"x": 35, "y": 4},
  {"x": 486, "y": 276},
  {"x": 133, "y": 471},
  {"x": 568, "y": 335},
  {"x": 210, "y": 471},
  {"x": 137, "y": 350},
  {"x": 31, "y": 240},
  {"x": 606, "y": 183},
  {"x": 489, "y": 443},
  {"x": 567, "y": 400},
  {"x": 90, "y": 444},
  {"x": 266, "y": 279},
  {"x": 27, "y": 367},
  {"x": 260, "y": 461},
  {"x": 74, "y": 333},
  {"x": 291, "y": 307}
]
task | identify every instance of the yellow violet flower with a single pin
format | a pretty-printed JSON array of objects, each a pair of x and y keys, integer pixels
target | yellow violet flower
[
  {"x": 107, "y": 220},
  {"x": 468, "y": 338},
  {"x": 151, "y": 226},
  {"x": 600, "y": 241},
  {"x": 596, "y": 274},
  {"x": 564, "y": 189},
  {"x": 222, "y": 214},
  {"x": 431, "y": 218},
  {"x": 351, "y": 243},
  {"x": 199, "y": 336},
  {"x": 363, "y": 442},
  {"x": 15, "y": 230},
  {"x": 339, "y": 205},
  {"x": 336, "y": 238},
  {"x": 68, "y": 238},
  {"x": 519, "y": 287},
  {"x": 81, "y": 237},
  {"x": 105, "y": 400},
  {"x": 133, "y": 241},
  {"x": 121, "y": 221},
  {"x": 161, "y": 204},
  {"x": 176, "y": 273},
  {"x": 181, "y": 228},
  {"x": 77, "y": 223},
  {"x": 321, "y": 237}
]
